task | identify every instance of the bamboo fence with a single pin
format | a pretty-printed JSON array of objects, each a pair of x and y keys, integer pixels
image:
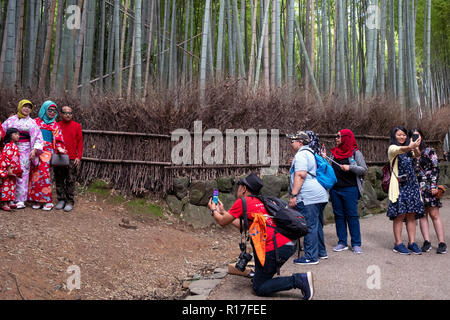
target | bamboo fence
[{"x": 135, "y": 162}]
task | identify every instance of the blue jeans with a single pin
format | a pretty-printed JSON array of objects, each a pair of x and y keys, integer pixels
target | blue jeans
[
  {"x": 345, "y": 209},
  {"x": 314, "y": 242},
  {"x": 264, "y": 284}
]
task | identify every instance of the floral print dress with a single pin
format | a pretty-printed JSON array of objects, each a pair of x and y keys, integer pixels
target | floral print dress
[
  {"x": 40, "y": 189},
  {"x": 409, "y": 199},
  {"x": 427, "y": 170},
  {"x": 9, "y": 158},
  {"x": 30, "y": 138}
]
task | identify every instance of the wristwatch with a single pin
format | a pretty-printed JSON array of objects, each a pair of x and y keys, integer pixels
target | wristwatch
[
  {"x": 212, "y": 212},
  {"x": 293, "y": 195}
]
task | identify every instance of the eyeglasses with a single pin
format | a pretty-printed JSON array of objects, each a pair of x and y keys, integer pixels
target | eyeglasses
[
  {"x": 337, "y": 136},
  {"x": 292, "y": 141},
  {"x": 69, "y": 113},
  {"x": 51, "y": 110}
]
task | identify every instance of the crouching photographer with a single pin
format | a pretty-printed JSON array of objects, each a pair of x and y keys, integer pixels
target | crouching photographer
[{"x": 267, "y": 260}]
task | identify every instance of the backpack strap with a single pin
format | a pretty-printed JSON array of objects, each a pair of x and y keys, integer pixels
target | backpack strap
[
  {"x": 277, "y": 256},
  {"x": 391, "y": 168},
  {"x": 317, "y": 166},
  {"x": 244, "y": 218}
]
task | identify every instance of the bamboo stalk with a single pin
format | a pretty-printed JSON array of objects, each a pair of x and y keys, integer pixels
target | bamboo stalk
[
  {"x": 121, "y": 133},
  {"x": 122, "y": 161}
]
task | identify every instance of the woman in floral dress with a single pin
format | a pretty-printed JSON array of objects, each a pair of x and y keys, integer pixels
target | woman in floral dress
[
  {"x": 427, "y": 170},
  {"x": 40, "y": 190},
  {"x": 30, "y": 143},
  {"x": 404, "y": 196}
]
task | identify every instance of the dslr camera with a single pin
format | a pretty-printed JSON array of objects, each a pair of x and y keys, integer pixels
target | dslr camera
[{"x": 244, "y": 258}]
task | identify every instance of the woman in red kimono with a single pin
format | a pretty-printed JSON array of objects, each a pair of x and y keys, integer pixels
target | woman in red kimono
[
  {"x": 40, "y": 190},
  {"x": 9, "y": 169}
]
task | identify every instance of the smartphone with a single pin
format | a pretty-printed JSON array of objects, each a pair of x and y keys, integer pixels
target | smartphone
[
  {"x": 216, "y": 196},
  {"x": 415, "y": 136}
]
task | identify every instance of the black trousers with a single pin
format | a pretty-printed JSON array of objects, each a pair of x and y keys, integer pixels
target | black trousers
[{"x": 65, "y": 178}]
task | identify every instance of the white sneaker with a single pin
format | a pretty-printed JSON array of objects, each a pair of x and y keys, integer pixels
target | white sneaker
[{"x": 47, "y": 207}]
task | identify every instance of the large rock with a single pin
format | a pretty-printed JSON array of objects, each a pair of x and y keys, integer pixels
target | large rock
[
  {"x": 272, "y": 185},
  {"x": 444, "y": 173},
  {"x": 203, "y": 287},
  {"x": 209, "y": 188},
  {"x": 374, "y": 176},
  {"x": 227, "y": 199},
  {"x": 371, "y": 175},
  {"x": 369, "y": 197},
  {"x": 196, "y": 192},
  {"x": 175, "y": 205},
  {"x": 180, "y": 187},
  {"x": 285, "y": 182},
  {"x": 225, "y": 184},
  {"x": 198, "y": 217}
]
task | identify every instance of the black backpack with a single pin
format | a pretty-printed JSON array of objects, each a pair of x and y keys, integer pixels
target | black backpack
[{"x": 289, "y": 222}]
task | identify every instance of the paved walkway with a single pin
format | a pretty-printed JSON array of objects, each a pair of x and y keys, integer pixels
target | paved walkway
[{"x": 345, "y": 275}]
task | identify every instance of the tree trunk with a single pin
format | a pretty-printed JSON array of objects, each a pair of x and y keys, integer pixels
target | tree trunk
[
  {"x": 253, "y": 44},
  {"x": 308, "y": 65},
  {"x": 19, "y": 40},
  {"x": 400, "y": 55},
  {"x": 48, "y": 46},
  {"x": 56, "y": 54},
  {"x": 138, "y": 47},
  {"x": 149, "y": 47},
  {"x": 204, "y": 52},
  {"x": 88, "y": 51}
]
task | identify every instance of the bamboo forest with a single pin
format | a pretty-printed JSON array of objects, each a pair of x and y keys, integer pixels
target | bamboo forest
[{"x": 350, "y": 49}]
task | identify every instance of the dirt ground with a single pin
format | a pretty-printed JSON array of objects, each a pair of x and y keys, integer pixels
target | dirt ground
[{"x": 151, "y": 262}]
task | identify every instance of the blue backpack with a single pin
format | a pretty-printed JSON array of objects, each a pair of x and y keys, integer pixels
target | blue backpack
[{"x": 324, "y": 173}]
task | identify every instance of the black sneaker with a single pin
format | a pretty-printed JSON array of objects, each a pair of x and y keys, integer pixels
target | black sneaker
[
  {"x": 442, "y": 248},
  {"x": 426, "y": 246},
  {"x": 304, "y": 282}
]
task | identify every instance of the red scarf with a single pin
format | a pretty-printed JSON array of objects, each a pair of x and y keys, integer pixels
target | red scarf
[{"x": 347, "y": 146}]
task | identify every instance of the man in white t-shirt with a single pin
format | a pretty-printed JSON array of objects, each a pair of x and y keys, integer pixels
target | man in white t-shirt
[{"x": 308, "y": 197}]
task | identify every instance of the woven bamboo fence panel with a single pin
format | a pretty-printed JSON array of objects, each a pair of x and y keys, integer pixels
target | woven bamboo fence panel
[{"x": 136, "y": 162}]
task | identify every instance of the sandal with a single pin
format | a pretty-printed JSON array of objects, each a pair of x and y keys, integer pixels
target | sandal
[
  {"x": 47, "y": 207},
  {"x": 36, "y": 206},
  {"x": 20, "y": 205},
  {"x": 6, "y": 208}
]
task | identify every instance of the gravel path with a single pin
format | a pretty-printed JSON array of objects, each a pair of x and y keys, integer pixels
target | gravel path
[{"x": 377, "y": 274}]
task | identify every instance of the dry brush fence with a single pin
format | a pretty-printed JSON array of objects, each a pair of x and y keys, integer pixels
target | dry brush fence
[{"x": 141, "y": 162}]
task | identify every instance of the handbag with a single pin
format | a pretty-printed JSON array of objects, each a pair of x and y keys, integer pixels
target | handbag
[
  {"x": 60, "y": 160},
  {"x": 441, "y": 189},
  {"x": 387, "y": 170}
]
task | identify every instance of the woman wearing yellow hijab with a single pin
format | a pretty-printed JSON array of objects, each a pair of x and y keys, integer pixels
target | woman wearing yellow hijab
[{"x": 30, "y": 144}]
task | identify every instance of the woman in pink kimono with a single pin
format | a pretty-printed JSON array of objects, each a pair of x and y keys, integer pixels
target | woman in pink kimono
[
  {"x": 40, "y": 191},
  {"x": 30, "y": 143}
]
